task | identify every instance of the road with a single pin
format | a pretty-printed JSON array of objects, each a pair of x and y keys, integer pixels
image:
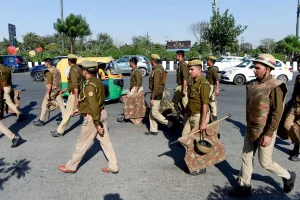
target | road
[{"x": 150, "y": 168}]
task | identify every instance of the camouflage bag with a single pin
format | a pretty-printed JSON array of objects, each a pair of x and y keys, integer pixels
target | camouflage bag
[
  {"x": 165, "y": 103},
  {"x": 134, "y": 107}
]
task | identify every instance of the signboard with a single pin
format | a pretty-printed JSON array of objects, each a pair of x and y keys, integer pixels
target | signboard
[
  {"x": 12, "y": 35},
  {"x": 178, "y": 45}
]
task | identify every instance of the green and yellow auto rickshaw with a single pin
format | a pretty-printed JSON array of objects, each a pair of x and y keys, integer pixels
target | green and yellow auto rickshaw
[{"x": 113, "y": 82}]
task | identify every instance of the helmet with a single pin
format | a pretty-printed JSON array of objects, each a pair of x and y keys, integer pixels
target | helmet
[
  {"x": 52, "y": 105},
  {"x": 204, "y": 146},
  {"x": 266, "y": 59}
]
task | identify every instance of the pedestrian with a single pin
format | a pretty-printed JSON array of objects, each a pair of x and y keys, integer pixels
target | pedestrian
[
  {"x": 264, "y": 107},
  {"x": 91, "y": 105}
]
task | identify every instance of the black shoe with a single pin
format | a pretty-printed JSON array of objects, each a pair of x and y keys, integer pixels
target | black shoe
[
  {"x": 16, "y": 141},
  {"x": 198, "y": 172},
  {"x": 215, "y": 118},
  {"x": 294, "y": 151},
  {"x": 120, "y": 119},
  {"x": 241, "y": 191},
  {"x": 288, "y": 185},
  {"x": 56, "y": 134},
  {"x": 38, "y": 123},
  {"x": 58, "y": 123},
  {"x": 151, "y": 133},
  {"x": 295, "y": 157}
]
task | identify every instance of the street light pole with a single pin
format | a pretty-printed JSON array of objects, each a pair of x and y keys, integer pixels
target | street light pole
[
  {"x": 62, "y": 20},
  {"x": 213, "y": 3}
]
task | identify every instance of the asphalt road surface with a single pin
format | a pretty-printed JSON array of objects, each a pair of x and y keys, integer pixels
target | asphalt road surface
[{"x": 150, "y": 168}]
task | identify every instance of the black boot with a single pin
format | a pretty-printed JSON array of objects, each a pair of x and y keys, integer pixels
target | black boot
[
  {"x": 295, "y": 150},
  {"x": 39, "y": 123},
  {"x": 295, "y": 157},
  {"x": 241, "y": 191},
  {"x": 121, "y": 119},
  {"x": 16, "y": 141},
  {"x": 198, "y": 172},
  {"x": 288, "y": 184}
]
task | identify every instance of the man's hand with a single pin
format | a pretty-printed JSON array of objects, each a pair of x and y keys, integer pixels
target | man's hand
[
  {"x": 265, "y": 141},
  {"x": 100, "y": 131},
  {"x": 202, "y": 126},
  {"x": 76, "y": 103},
  {"x": 152, "y": 102},
  {"x": 62, "y": 91},
  {"x": 47, "y": 97},
  {"x": 217, "y": 92}
]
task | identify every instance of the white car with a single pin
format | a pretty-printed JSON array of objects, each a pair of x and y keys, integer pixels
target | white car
[
  {"x": 227, "y": 61},
  {"x": 243, "y": 72}
]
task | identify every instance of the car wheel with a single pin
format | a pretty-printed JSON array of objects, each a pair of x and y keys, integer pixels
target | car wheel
[
  {"x": 39, "y": 76},
  {"x": 12, "y": 69},
  {"x": 239, "y": 79},
  {"x": 282, "y": 78},
  {"x": 143, "y": 71},
  {"x": 217, "y": 68}
]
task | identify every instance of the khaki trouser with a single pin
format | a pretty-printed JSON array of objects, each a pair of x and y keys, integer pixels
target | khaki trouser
[
  {"x": 290, "y": 121},
  {"x": 86, "y": 138},
  {"x": 8, "y": 101},
  {"x": 67, "y": 114},
  {"x": 192, "y": 121},
  {"x": 155, "y": 116},
  {"x": 265, "y": 159},
  {"x": 131, "y": 92},
  {"x": 177, "y": 97},
  {"x": 59, "y": 101},
  {"x": 212, "y": 100},
  {"x": 6, "y": 132}
]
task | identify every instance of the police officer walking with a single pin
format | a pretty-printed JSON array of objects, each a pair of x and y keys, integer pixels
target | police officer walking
[
  {"x": 156, "y": 86},
  {"x": 74, "y": 87},
  {"x": 292, "y": 121},
  {"x": 264, "y": 106},
  {"x": 91, "y": 105},
  {"x": 52, "y": 80},
  {"x": 213, "y": 79}
]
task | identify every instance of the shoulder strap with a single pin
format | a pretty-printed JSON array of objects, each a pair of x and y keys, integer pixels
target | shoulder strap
[
  {"x": 201, "y": 86},
  {"x": 89, "y": 83}
]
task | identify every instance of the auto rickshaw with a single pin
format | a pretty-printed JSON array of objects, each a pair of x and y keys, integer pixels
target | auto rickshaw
[{"x": 113, "y": 84}]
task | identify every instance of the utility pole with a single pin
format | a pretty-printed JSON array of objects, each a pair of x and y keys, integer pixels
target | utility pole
[
  {"x": 62, "y": 20},
  {"x": 213, "y": 4}
]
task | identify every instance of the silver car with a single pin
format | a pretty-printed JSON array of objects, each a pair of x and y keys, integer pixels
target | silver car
[{"x": 143, "y": 64}]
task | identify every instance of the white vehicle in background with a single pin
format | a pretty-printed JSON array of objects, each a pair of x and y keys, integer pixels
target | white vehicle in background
[
  {"x": 227, "y": 61},
  {"x": 243, "y": 72}
]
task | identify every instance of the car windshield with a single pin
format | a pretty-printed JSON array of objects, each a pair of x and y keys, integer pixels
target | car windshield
[
  {"x": 244, "y": 64},
  {"x": 55, "y": 61},
  {"x": 219, "y": 59}
]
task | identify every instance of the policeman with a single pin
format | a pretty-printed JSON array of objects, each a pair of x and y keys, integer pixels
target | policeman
[
  {"x": 264, "y": 106},
  {"x": 213, "y": 79},
  {"x": 91, "y": 105},
  {"x": 52, "y": 80},
  {"x": 182, "y": 77},
  {"x": 6, "y": 84},
  {"x": 292, "y": 121},
  {"x": 156, "y": 86},
  {"x": 74, "y": 88},
  {"x": 198, "y": 103}
]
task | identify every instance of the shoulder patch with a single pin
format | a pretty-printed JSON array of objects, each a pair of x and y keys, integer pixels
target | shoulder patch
[{"x": 91, "y": 94}]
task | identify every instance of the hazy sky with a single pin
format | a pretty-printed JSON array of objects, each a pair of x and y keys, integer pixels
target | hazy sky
[{"x": 162, "y": 19}]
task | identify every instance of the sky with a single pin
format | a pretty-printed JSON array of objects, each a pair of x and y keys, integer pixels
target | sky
[{"x": 161, "y": 19}]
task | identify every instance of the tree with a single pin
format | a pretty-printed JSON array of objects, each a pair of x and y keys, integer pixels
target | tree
[
  {"x": 222, "y": 31},
  {"x": 288, "y": 45},
  {"x": 31, "y": 41},
  {"x": 202, "y": 48},
  {"x": 75, "y": 26},
  {"x": 269, "y": 44},
  {"x": 102, "y": 44},
  {"x": 198, "y": 29}
]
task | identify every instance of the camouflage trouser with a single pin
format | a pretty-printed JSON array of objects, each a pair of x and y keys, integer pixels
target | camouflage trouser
[
  {"x": 131, "y": 92},
  {"x": 177, "y": 97},
  {"x": 265, "y": 160},
  {"x": 292, "y": 124}
]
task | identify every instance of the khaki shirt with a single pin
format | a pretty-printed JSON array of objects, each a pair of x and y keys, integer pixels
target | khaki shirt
[
  {"x": 212, "y": 75},
  {"x": 5, "y": 74},
  {"x": 49, "y": 77},
  {"x": 135, "y": 78},
  {"x": 198, "y": 96},
  {"x": 156, "y": 85},
  {"x": 182, "y": 72},
  {"x": 75, "y": 78},
  {"x": 91, "y": 99}
]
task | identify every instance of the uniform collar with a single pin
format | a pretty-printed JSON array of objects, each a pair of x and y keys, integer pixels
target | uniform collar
[
  {"x": 197, "y": 78},
  {"x": 73, "y": 65}
]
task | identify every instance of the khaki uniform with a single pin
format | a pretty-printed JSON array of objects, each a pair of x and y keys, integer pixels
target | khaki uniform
[
  {"x": 156, "y": 87},
  {"x": 91, "y": 105},
  {"x": 52, "y": 76},
  {"x": 7, "y": 87},
  {"x": 136, "y": 80},
  {"x": 212, "y": 77},
  {"x": 292, "y": 122},
  {"x": 74, "y": 81},
  {"x": 198, "y": 94},
  {"x": 182, "y": 74},
  {"x": 262, "y": 120}
]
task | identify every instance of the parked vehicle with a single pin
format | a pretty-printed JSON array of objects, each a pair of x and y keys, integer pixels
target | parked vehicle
[
  {"x": 227, "y": 61},
  {"x": 15, "y": 63},
  {"x": 37, "y": 72},
  {"x": 243, "y": 72},
  {"x": 143, "y": 64}
]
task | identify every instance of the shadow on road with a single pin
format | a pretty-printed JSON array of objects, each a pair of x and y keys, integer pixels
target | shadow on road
[
  {"x": 238, "y": 125},
  {"x": 91, "y": 152},
  {"x": 75, "y": 125},
  {"x": 18, "y": 169},
  {"x": 112, "y": 197}
]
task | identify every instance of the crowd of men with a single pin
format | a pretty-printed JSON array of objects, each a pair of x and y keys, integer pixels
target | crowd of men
[{"x": 194, "y": 101}]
